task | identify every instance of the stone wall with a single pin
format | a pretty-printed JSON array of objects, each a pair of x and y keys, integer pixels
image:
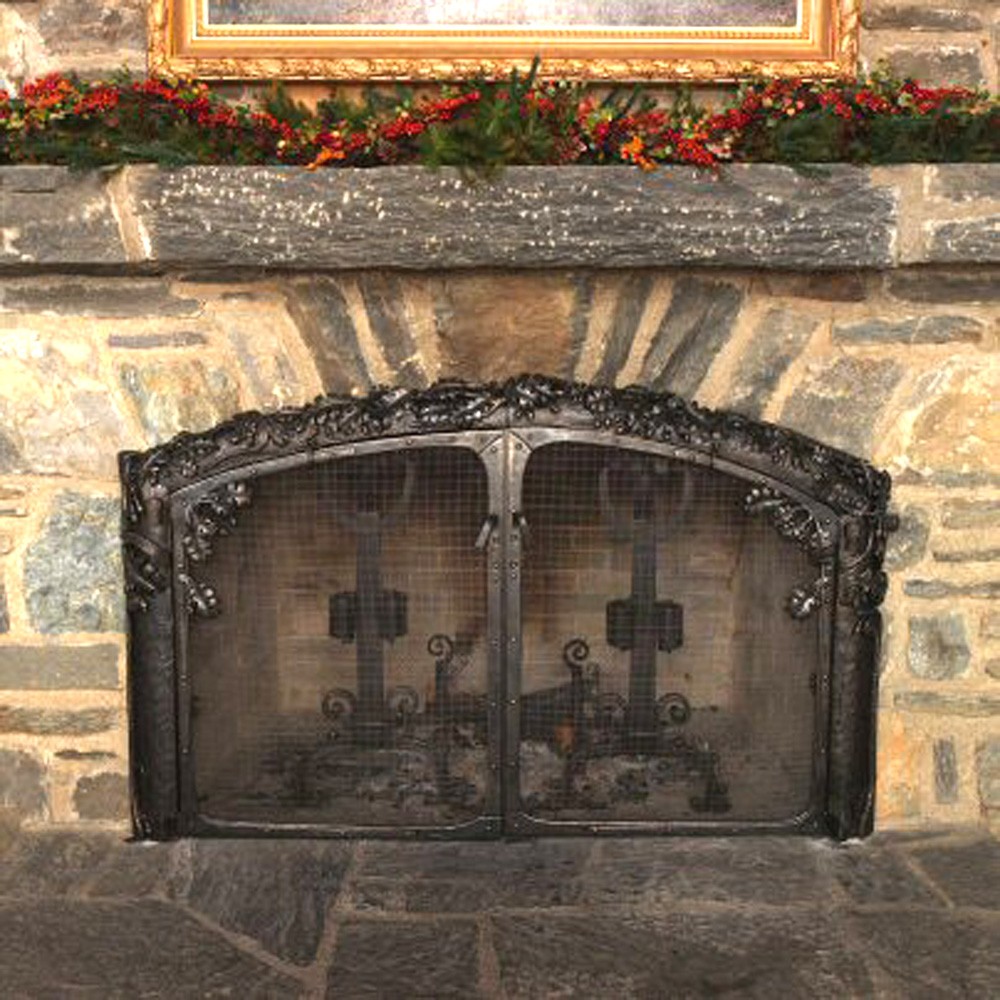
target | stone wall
[
  {"x": 940, "y": 41},
  {"x": 135, "y": 305}
]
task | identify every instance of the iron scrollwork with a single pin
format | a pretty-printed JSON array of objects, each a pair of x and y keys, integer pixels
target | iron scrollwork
[
  {"x": 147, "y": 565},
  {"x": 210, "y": 516},
  {"x": 840, "y": 479},
  {"x": 795, "y": 522}
]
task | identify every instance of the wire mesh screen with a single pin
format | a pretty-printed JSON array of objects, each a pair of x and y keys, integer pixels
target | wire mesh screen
[
  {"x": 344, "y": 682},
  {"x": 662, "y": 678}
]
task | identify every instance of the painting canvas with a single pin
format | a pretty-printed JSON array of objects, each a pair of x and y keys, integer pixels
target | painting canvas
[
  {"x": 523, "y": 13},
  {"x": 440, "y": 39}
]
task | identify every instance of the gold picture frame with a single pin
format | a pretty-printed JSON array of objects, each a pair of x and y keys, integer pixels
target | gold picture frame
[{"x": 246, "y": 39}]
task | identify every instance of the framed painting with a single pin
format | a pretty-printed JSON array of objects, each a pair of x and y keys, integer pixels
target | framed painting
[{"x": 450, "y": 39}]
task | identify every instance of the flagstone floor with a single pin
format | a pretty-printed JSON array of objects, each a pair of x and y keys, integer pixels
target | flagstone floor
[{"x": 907, "y": 916}]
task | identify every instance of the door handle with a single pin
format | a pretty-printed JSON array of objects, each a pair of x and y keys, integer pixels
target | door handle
[{"x": 486, "y": 531}]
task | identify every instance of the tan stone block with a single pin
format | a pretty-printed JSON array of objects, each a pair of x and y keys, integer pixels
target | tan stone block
[
  {"x": 900, "y": 754},
  {"x": 178, "y": 394},
  {"x": 56, "y": 414},
  {"x": 957, "y": 427},
  {"x": 989, "y": 625},
  {"x": 259, "y": 329},
  {"x": 493, "y": 326},
  {"x": 12, "y": 501}
]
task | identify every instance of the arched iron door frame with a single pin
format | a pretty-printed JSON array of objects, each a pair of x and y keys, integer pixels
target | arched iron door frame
[
  {"x": 522, "y": 443},
  {"x": 791, "y": 473}
]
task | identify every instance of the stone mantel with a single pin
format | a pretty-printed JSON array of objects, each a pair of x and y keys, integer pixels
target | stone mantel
[{"x": 837, "y": 217}]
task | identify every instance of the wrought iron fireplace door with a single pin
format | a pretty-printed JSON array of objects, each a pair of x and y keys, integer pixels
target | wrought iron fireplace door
[{"x": 502, "y": 610}]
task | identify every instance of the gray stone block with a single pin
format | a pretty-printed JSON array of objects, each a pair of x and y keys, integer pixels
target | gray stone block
[
  {"x": 907, "y": 545},
  {"x": 57, "y": 722},
  {"x": 971, "y": 514},
  {"x": 916, "y": 17},
  {"x": 120, "y": 297},
  {"x": 938, "y": 65},
  {"x": 971, "y": 705},
  {"x": 266, "y": 366},
  {"x": 126, "y": 949},
  {"x": 47, "y": 668},
  {"x": 945, "y": 771},
  {"x": 376, "y": 958},
  {"x": 873, "y": 876},
  {"x": 133, "y": 870},
  {"x": 632, "y": 298},
  {"x": 22, "y": 784},
  {"x": 53, "y": 216},
  {"x": 965, "y": 181},
  {"x": 988, "y": 772},
  {"x": 85, "y": 755},
  {"x": 4, "y": 614},
  {"x": 939, "y": 647},
  {"x": 383, "y": 298},
  {"x": 182, "y": 394},
  {"x": 53, "y": 863},
  {"x": 474, "y": 860},
  {"x": 922, "y": 953},
  {"x": 968, "y": 872},
  {"x": 155, "y": 340},
  {"x": 467, "y": 896},
  {"x": 102, "y": 796},
  {"x": 481, "y": 877},
  {"x": 756, "y": 952},
  {"x": 319, "y": 309},
  {"x": 775, "y": 343},
  {"x": 840, "y": 403},
  {"x": 758, "y": 216},
  {"x": 585, "y": 284},
  {"x": 659, "y": 873},
  {"x": 74, "y": 27},
  {"x": 845, "y": 286},
  {"x": 689, "y": 338},
  {"x": 24, "y": 178},
  {"x": 912, "y": 330},
  {"x": 966, "y": 555},
  {"x": 276, "y": 892},
  {"x": 944, "y": 287},
  {"x": 975, "y": 239},
  {"x": 72, "y": 571},
  {"x": 942, "y": 588}
]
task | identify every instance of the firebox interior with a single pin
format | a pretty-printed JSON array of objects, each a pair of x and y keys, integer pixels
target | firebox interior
[{"x": 644, "y": 667}]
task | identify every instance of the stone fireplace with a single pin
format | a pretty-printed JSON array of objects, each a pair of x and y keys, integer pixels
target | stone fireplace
[{"x": 855, "y": 307}]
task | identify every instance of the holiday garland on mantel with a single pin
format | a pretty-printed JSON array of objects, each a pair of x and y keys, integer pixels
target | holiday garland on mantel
[{"x": 485, "y": 125}]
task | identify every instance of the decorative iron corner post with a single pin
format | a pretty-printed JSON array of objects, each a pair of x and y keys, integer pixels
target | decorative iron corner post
[{"x": 147, "y": 564}]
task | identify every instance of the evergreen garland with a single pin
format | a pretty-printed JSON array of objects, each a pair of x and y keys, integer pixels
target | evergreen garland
[{"x": 485, "y": 125}]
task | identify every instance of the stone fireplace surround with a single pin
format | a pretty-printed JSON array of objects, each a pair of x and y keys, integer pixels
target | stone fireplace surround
[{"x": 856, "y": 306}]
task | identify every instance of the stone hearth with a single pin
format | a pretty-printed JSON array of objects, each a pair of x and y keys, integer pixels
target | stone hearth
[
  {"x": 892, "y": 916},
  {"x": 857, "y": 306}
]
